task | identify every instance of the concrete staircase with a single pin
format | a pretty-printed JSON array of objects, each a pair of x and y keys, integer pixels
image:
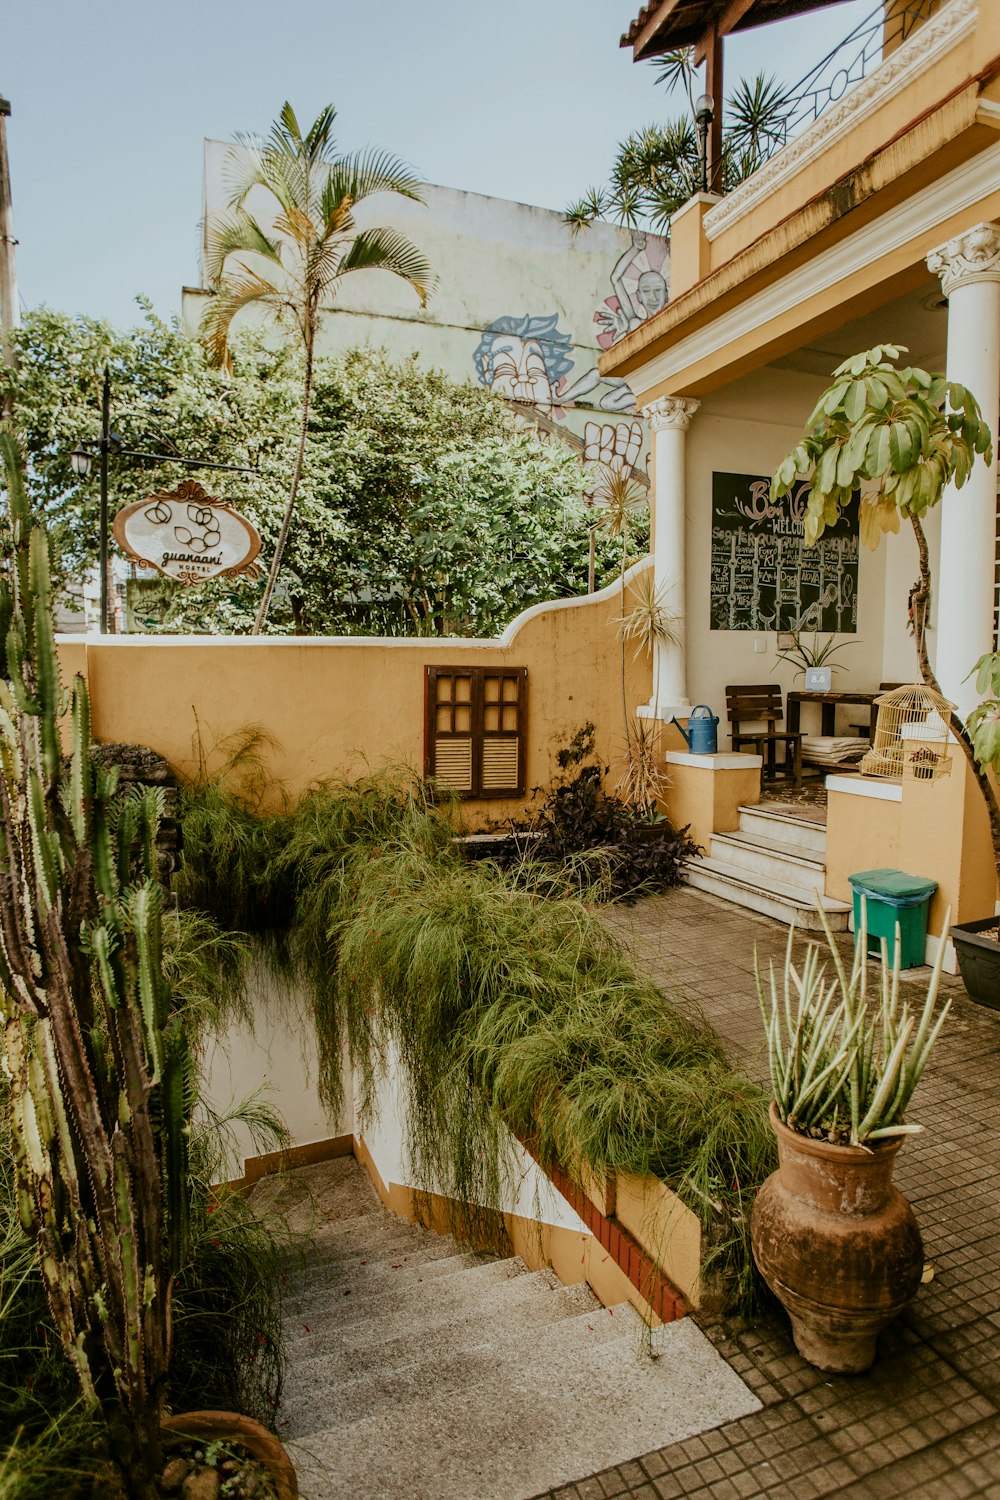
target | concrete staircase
[
  {"x": 420, "y": 1370},
  {"x": 774, "y": 863}
]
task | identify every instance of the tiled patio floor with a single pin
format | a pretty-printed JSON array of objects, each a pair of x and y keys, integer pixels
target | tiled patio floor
[{"x": 926, "y": 1420}]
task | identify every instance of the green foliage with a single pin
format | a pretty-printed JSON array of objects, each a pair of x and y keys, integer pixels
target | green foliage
[
  {"x": 658, "y": 168},
  {"x": 901, "y": 433},
  {"x": 983, "y": 722},
  {"x": 422, "y": 504},
  {"x": 503, "y": 1006},
  {"x": 99, "y": 1068},
  {"x": 227, "y": 1351},
  {"x": 226, "y": 1303},
  {"x": 442, "y": 515},
  {"x": 291, "y": 263},
  {"x": 165, "y": 398},
  {"x": 801, "y": 655},
  {"x": 629, "y": 853},
  {"x": 844, "y": 1064}
]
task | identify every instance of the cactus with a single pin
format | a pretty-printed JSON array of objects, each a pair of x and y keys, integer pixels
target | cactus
[{"x": 100, "y": 1074}]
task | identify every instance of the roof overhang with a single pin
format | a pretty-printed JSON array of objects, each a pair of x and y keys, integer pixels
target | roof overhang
[{"x": 665, "y": 24}]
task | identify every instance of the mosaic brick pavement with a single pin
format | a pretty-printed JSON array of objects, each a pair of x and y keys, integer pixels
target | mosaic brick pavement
[{"x": 925, "y": 1421}]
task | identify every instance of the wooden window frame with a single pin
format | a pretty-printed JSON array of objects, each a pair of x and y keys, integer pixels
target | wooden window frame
[{"x": 479, "y": 735}]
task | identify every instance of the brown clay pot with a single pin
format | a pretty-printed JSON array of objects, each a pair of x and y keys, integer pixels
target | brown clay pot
[
  {"x": 837, "y": 1244},
  {"x": 204, "y": 1426}
]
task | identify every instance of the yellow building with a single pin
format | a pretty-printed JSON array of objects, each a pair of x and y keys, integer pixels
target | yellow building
[{"x": 876, "y": 221}]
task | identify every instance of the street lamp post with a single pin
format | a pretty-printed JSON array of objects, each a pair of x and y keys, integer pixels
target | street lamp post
[
  {"x": 704, "y": 112},
  {"x": 82, "y": 459}
]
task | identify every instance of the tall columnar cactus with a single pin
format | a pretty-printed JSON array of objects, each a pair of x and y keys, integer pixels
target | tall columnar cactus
[{"x": 100, "y": 1076}]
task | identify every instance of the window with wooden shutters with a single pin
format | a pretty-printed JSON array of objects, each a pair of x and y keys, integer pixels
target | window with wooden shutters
[{"x": 475, "y": 721}]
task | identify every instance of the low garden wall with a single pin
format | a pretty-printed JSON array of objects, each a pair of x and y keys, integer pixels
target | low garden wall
[{"x": 340, "y": 707}]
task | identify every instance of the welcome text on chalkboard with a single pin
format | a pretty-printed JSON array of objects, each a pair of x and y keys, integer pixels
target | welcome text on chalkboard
[{"x": 764, "y": 577}]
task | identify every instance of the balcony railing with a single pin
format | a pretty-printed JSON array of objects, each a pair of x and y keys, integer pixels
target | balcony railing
[{"x": 848, "y": 63}]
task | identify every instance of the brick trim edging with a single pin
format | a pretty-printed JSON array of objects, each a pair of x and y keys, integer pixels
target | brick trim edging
[{"x": 641, "y": 1270}]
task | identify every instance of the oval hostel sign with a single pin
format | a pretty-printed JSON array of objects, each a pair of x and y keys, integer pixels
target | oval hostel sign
[{"x": 187, "y": 534}]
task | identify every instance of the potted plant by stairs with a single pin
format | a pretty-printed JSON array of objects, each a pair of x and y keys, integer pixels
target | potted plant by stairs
[
  {"x": 100, "y": 1077},
  {"x": 833, "y": 1238},
  {"x": 901, "y": 436}
]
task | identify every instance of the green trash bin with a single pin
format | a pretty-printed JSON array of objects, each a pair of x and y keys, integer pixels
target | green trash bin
[{"x": 890, "y": 898}]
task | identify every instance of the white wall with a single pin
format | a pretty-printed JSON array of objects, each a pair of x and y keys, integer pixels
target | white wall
[
  {"x": 527, "y": 1191},
  {"x": 278, "y": 1055}
]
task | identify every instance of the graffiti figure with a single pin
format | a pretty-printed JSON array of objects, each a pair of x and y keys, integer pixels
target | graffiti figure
[
  {"x": 609, "y": 446},
  {"x": 638, "y": 293},
  {"x": 526, "y": 359}
]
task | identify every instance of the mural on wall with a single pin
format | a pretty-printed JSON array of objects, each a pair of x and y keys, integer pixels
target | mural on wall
[
  {"x": 526, "y": 359},
  {"x": 640, "y": 289},
  {"x": 608, "y": 445},
  {"x": 764, "y": 577}
]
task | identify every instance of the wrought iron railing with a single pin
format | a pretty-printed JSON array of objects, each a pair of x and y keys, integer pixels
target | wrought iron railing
[{"x": 849, "y": 62}]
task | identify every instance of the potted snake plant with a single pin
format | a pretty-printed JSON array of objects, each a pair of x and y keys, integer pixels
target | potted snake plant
[{"x": 833, "y": 1238}]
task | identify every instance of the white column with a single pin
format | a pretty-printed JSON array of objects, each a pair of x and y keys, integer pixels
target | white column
[
  {"x": 670, "y": 418},
  {"x": 969, "y": 268}
]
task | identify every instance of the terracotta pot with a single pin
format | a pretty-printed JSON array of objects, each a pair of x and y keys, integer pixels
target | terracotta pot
[
  {"x": 204, "y": 1426},
  {"x": 837, "y": 1244}
]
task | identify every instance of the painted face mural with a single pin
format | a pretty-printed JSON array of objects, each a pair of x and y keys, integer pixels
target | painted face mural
[
  {"x": 639, "y": 279},
  {"x": 526, "y": 359}
]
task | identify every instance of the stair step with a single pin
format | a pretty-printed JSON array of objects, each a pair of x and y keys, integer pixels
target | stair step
[
  {"x": 327, "y": 1190},
  {"x": 543, "y": 1423},
  {"x": 773, "y": 898},
  {"x": 330, "y": 1279},
  {"x": 373, "y": 1237},
  {"x": 385, "y": 1315},
  {"x": 469, "y": 1328},
  {"x": 766, "y": 861},
  {"x": 784, "y": 828},
  {"x": 319, "y": 1386}
]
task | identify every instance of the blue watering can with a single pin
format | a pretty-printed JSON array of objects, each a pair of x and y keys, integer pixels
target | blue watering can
[{"x": 701, "y": 734}]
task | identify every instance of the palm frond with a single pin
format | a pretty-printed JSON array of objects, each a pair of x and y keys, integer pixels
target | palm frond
[
  {"x": 649, "y": 622},
  {"x": 585, "y": 210},
  {"x": 359, "y": 176},
  {"x": 236, "y": 233},
  {"x": 232, "y": 297},
  {"x": 386, "y": 250},
  {"x": 676, "y": 69}
]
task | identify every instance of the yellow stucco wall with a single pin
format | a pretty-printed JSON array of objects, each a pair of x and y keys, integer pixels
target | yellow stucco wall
[
  {"x": 939, "y": 829},
  {"x": 336, "y": 708}
]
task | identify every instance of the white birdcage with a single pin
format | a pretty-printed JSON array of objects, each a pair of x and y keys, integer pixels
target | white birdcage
[{"x": 912, "y": 738}]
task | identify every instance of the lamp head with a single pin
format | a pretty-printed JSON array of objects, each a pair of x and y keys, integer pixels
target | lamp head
[
  {"x": 81, "y": 459},
  {"x": 704, "y": 109}
]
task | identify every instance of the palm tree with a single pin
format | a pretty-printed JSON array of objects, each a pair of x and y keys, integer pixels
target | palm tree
[
  {"x": 658, "y": 168},
  {"x": 293, "y": 268}
]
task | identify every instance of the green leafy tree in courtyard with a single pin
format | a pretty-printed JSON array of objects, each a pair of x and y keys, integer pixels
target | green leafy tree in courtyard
[
  {"x": 292, "y": 267},
  {"x": 386, "y": 439}
]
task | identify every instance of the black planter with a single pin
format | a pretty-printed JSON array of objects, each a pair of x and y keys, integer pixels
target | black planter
[{"x": 979, "y": 960}]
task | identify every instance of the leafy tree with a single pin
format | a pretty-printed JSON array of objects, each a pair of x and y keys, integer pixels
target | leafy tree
[
  {"x": 441, "y": 514},
  {"x": 658, "y": 168},
  {"x": 166, "y": 397},
  {"x": 294, "y": 270},
  {"x": 395, "y": 455},
  {"x": 901, "y": 435}
]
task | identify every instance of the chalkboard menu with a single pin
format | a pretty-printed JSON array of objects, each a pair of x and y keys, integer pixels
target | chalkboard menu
[{"x": 764, "y": 577}]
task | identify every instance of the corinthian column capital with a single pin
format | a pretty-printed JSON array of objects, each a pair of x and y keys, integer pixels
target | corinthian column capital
[
  {"x": 972, "y": 256},
  {"x": 670, "y": 411}
]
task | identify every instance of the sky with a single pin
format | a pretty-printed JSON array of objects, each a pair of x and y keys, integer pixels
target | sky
[{"x": 111, "y": 101}]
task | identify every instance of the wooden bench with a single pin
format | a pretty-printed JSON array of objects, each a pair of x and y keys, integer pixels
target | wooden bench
[{"x": 756, "y": 705}]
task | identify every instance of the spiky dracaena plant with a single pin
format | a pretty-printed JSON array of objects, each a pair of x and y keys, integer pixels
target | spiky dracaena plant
[{"x": 100, "y": 1075}]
